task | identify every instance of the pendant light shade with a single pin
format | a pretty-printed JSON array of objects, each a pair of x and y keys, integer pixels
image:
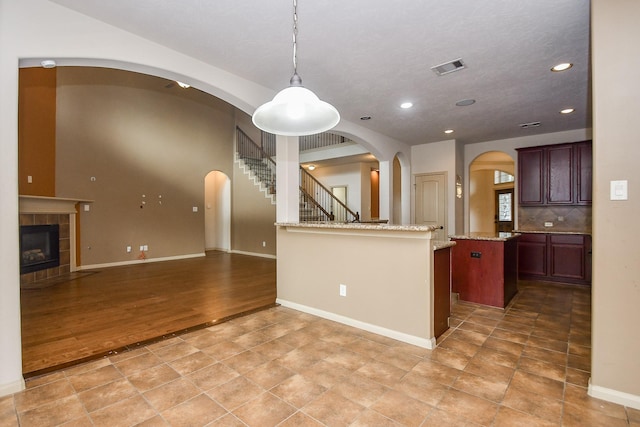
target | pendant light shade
[{"x": 295, "y": 111}]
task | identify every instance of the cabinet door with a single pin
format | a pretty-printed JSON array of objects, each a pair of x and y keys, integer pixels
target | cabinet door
[
  {"x": 531, "y": 177},
  {"x": 560, "y": 176},
  {"x": 584, "y": 163},
  {"x": 532, "y": 255},
  {"x": 567, "y": 255}
]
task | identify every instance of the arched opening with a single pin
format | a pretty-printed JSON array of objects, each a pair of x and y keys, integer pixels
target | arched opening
[
  {"x": 491, "y": 201},
  {"x": 217, "y": 214}
]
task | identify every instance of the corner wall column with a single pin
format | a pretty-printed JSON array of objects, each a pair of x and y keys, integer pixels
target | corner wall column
[
  {"x": 287, "y": 179},
  {"x": 386, "y": 190}
]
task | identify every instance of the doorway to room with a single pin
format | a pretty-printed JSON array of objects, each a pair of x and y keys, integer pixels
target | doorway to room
[
  {"x": 217, "y": 215},
  {"x": 491, "y": 176}
]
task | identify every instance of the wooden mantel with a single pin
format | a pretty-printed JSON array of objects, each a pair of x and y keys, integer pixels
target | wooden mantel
[{"x": 49, "y": 205}]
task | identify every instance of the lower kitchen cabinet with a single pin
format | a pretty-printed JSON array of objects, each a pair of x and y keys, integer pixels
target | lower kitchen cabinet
[{"x": 555, "y": 257}]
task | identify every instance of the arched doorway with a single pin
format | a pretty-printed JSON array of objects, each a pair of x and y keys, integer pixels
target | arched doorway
[
  {"x": 490, "y": 188},
  {"x": 217, "y": 215}
]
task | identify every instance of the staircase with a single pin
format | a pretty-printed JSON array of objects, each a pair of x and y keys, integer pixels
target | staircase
[{"x": 317, "y": 203}]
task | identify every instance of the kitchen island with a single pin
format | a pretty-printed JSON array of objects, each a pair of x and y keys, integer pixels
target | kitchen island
[
  {"x": 485, "y": 268},
  {"x": 376, "y": 277}
]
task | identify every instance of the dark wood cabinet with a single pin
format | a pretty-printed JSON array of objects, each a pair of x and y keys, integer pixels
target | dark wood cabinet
[
  {"x": 555, "y": 257},
  {"x": 485, "y": 270},
  {"x": 555, "y": 175},
  {"x": 441, "y": 290},
  {"x": 584, "y": 165}
]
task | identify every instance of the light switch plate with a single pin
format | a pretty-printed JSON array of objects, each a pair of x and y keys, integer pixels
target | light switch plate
[{"x": 619, "y": 190}]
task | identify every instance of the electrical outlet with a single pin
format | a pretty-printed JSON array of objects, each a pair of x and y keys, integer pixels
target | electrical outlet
[
  {"x": 141, "y": 248},
  {"x": 146, "y": 248},
  {"x": 29, "y": 179},
  {"x": 128, "y": 249},
  {"x": 343, "y": 290},
  {"x": 476, "y": 254},
  {"x": 264, "y": 244}
]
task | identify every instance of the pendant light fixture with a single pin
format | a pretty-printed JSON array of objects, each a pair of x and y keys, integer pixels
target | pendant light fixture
[{"x": 295, "y": 111}]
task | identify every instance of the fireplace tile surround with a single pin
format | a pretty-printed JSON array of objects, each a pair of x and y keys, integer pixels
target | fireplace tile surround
[
  {"x": 41, "y": 210},
  {"x": 63, "y": 221}
]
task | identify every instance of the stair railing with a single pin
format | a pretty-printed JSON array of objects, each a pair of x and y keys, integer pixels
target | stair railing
[
  {"x": 250, "y": 152},
  {"x": 319, "y": 213},
  {"x": 325, "y": 198},
  {"x": 311, "y": 190}
]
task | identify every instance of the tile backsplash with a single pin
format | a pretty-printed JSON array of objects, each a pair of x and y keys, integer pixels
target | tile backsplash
[{"x": 564, "y": 218}]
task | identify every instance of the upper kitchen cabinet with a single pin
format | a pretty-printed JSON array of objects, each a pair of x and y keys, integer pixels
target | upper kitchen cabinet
[{"x": 555, "y": 175}]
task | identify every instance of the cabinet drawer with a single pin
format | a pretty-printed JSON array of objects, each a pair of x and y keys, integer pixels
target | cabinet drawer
[
  {"x": 533, "y": 238},
  {"x": 566, "y": 239}
]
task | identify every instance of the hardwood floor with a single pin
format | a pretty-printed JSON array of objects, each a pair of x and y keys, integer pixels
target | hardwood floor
[{"x": 102, "y": 311}]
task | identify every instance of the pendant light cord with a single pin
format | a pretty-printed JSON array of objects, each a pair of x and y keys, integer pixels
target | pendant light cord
[{"x": 295, "y": 79}]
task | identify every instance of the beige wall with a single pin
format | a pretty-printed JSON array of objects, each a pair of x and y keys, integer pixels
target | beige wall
[
  {"x": 616, "y": 271},
  {"x": 139, "y": 138},
  {"x": 394, "y": 297}
]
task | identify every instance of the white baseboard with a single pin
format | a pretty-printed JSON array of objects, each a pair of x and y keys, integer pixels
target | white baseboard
[
  {"x": 615, "y": 396},
  {"x": 253, "y": 254},
  {"x": 139, "y": 261},
  {"x": 13, "y": 387},
  {"x": 389, "y": 333}
]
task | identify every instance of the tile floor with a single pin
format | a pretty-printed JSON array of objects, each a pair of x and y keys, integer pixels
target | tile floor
[{"x": 525, "y": 366}]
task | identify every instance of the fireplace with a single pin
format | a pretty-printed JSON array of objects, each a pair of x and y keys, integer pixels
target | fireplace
[{"x": 39, "y": 247}]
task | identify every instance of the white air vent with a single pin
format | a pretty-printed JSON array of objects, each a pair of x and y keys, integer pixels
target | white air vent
[
  {"x": 529, "y": 125},
  {"x": 449, "y": 67}
]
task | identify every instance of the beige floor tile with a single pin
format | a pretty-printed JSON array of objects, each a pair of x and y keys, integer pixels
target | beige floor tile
[
  {"x": 324, "y": 410},
  {"x": 422, "y": 388},
  {"x": 171, "y": 394},
  {"x": 53, "y": 413},
  {"x": 382, "y": 373},
  {"x": 107, "y": 394},
  {"x": 198, "y": 411},
  {"x": 438, "y": 418},
  {"x": 298, "y": 390},
  {"x": 212, "y": 376},
  {"x": 537, "y": 384},
  {"x": 370, "y": 417},
  {"x": 490, "y": 370},
  {"x": 141, "y": 361},
  {"x": 486, "y": 388},
  {"x": 264, "y": 410},
  {"x": 235, "y": 393},
  {"x": 437, "y": 372},
  {"x": 468, "y": 407},
  {"x": 451, "y": 358},
  {"x": 326, "y": 374},
  {"x": 42, "y": 395},
  {"x": 269, "y": 374},
  {"x": 95, "y": 378},
  {"x": 153, "y": 377},
  {"x": 223, "y": 350},
  {"x": 544, "y": 369},
  {"x": 533, "y": 404},
  {"x": 402, "y": 408},
  {"x": 192, "y": 363},
  {"x": 508, "y": 417},
  {"x": 126, "y": 412},
  {"x": 273, "y": 349}
]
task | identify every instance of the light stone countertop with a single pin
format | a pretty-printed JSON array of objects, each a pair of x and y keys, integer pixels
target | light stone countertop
[
  {"x": 358, "y": 226},
  {"x": 442, "y": 244},
  {"x": 498, "y": 237}
]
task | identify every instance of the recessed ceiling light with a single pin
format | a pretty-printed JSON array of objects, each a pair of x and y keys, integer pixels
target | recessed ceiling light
[
  {"x": 562, "y": 67},
  {"x": 567, "y": 111},
  {"x": 465, "y": 102},
  {"x": 365, "y": 118},
  {"x": 448, "y": 131},
  {"x": 406, "y": 105},
  {"x": 183, "y": 85}
]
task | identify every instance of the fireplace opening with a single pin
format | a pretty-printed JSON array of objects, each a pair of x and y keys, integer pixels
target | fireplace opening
[{"x": 39, "y": 247}]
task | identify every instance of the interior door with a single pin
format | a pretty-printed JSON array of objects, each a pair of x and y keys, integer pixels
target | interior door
[
  {"x": 431, "y": 202},
  {"x": 504, "y": 210}
]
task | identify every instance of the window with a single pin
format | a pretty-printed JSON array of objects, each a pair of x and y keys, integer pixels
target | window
[{"x": 500, "y": 177}]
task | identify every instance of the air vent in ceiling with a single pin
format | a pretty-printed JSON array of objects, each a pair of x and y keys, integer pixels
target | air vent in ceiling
[
  {"x": 529, "y": 125},
  {"x": 449, "y": 67}
]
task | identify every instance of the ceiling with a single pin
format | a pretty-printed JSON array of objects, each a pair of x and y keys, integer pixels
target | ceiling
[{"x": 367, "y": 56}]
